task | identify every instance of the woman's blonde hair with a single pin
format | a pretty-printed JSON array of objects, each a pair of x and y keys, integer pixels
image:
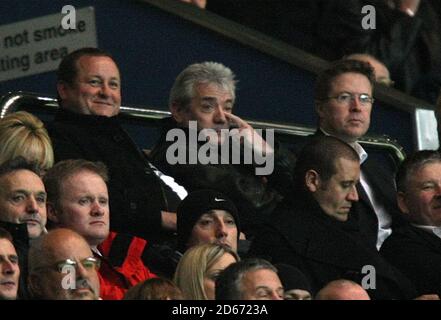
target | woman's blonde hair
[
  {"x": 193, "y": 267},
  {"x": 22, "y": 134}
]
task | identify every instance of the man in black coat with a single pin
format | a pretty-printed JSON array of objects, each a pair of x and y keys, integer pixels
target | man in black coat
[
  {"x": 312, "y": 232},
  {"x": 343, "y": 102},
  {"x": 202, "y": 100},
  {"x": 415, "y": 248},
  {"x": 88, "y": 126}
]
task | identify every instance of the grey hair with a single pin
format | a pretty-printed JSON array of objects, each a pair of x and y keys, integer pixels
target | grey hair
[
  {"x": 201, "y": 73},
  {"x": 413, "y": 163}
]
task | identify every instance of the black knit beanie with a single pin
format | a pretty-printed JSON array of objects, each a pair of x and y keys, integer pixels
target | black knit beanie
[{"x": 194, "y": 206}]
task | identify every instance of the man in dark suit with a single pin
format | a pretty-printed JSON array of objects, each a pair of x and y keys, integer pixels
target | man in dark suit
[
  {"x": 343, "y": 100},
  {"x": 415, "y": 248},
  {"x": 312, "y": 230}
]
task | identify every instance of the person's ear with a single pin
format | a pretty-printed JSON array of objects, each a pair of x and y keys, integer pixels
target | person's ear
[
  {"x": 402, "y": 202},
  {"x": 177, "y": 112},
  {"x": 319, "y": 109},
  {"x": 312, "y": 180},
  {"x": 52, "y": 213},
  {"x": 62, "y": 88}
]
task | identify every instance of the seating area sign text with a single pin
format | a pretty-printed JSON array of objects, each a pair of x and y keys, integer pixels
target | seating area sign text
[{"x": 37, "y": 45}]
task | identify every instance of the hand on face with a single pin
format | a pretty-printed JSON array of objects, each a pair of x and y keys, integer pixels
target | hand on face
[{"x": 247, "y": 135}]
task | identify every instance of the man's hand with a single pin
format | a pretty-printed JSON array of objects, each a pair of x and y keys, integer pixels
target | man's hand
[
  {"x": 168, "y": 220},
  {"x": 251, "y": 138},
  {"x": 199, "y": 3}
]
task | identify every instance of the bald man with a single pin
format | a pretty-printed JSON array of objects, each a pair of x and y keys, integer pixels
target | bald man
[
  {"x": 62, "y": 267},
  {"x": 342, "y": 290}
]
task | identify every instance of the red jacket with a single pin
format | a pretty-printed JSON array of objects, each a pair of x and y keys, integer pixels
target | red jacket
[{"x": 121, "y": 265}]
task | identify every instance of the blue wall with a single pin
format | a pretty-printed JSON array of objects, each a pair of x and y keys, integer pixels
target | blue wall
[{"x": 152, "y": 47}]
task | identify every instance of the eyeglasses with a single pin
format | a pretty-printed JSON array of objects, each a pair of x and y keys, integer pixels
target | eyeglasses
[
  {"x": 346, "y": 98},
  {"x": 89, "y": 263}
]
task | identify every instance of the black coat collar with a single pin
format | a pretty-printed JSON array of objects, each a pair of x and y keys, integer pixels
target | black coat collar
[{"x": 316, "y": 236}]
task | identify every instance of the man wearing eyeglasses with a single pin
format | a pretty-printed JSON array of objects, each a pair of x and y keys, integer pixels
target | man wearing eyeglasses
[
  {"x": 62, "y": 267},
  {"x": 78, "y": 199},
  {"x": 343, "y": 102}
]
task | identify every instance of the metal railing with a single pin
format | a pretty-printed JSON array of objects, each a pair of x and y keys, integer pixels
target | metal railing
[{"x": 36, "y": 103}]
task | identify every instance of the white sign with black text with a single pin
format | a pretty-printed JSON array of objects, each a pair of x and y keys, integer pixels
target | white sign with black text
[{"x": 37, "y": 45}]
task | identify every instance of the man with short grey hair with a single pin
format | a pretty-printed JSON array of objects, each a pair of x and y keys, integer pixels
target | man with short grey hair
[
  {"x": 202, "y": 100},
  {"x": 415, "y": 247}
]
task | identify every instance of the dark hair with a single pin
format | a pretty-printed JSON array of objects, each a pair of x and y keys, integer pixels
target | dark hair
[
  {"x": 229, "y": 282},
  {"x": 68, "y": 69},
  {"x": 4, "y": 234},
  {"x": 292, "y": 277},
  {"x": 154, "y": 289},
  {"x": 320, "y": 155},
  {"x": 19, "y": 163},
  {"x": 54, "y": 178},
  {"x": 412, "y": 163},
  {"x": 337, "y": 68}
]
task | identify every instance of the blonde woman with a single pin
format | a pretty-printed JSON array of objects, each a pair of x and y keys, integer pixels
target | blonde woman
[
  {"x": 199, "y": 267},
  {"x": 22, "y": 134}
]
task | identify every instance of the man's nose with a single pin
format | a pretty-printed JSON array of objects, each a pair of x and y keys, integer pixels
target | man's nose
[
  {"x": 355, "y": 103},
  {"x": 275, "y": 296},
  {"x": 31, "y": 205},
  {"x": 353, "y": 194},
  {"x": 438, "y": 190},
  {"x": 221, "y": 229},
  {"x": 105, "y": 90},
  {"x": 219, "y": 115},
  {"x": 97, "y": 209},
  {"x": 81, "y": 271},
  {"x": 8, "y": 268}
]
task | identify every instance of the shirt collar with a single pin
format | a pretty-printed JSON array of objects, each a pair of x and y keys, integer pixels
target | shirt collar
[{"x": 431, "y": 229}]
